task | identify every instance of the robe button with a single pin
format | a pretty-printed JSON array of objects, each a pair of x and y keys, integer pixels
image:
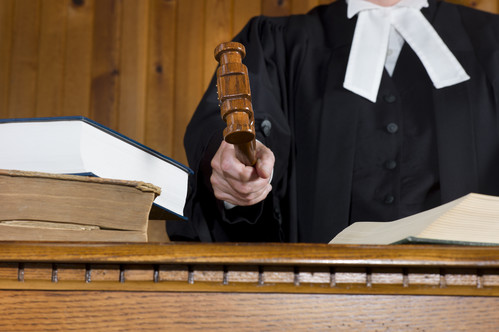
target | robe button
[
  {"x": 266, "y": 127},
  {"x": 389, "y": 199},
  {"x": 389, "y": 98},
  {"x": 390, "y": 164},
  {"x": 392, "y": 128}
]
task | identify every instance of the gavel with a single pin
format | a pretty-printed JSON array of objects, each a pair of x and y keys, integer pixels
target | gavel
[{"x": 234, "y": 97}]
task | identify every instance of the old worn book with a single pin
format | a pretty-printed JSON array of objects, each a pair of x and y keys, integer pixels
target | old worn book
[
  {"x": 77, "y": 145},
  {"x": 470, "y": 220},
  {"x": 37, "y": 206}
]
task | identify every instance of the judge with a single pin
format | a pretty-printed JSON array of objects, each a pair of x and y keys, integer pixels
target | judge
[{"x": 364, "y": 110}]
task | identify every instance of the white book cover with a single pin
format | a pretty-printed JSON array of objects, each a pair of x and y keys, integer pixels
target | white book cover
[{"x": 78, "y": 145}]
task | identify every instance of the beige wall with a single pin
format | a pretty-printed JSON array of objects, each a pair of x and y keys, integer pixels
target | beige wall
[{"x": 137, "y": 66}]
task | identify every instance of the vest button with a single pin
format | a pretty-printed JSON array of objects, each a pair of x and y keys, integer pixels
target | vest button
[
  {"x": 392, "y": 128},
  {"x": 390, "y": 164},
  {"x": 389, "y": 199},
  {"x": 389, "y": 98}
]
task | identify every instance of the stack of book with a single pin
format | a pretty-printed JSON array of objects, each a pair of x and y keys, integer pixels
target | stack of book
[{"x": 72, "y": 179}]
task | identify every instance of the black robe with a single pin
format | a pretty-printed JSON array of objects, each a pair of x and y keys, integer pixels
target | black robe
[{"x": 304, "y": 115}]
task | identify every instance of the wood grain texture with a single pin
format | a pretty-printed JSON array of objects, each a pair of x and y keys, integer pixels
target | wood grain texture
[
  {"x": 276, "y": 7},
  {"x": 24, "y": 59},
  {"x": 265, "y": 287},
  {"x": 138, "y": 67},
  {"x": 285, "y": 268},
  {"x": 218, "y": 30},
  {"x": 51, "y": 56},
  {"x": 106, "y": 65},
  {"x": 486, "y": 5},
  {"x": 6, "y": 36},
  {"x": 78, "y": 58},
  {"x": 189, "y": 59},
  {"x": 133, "y": 311},
  {"x": 300, "y": 7},
  {"x": 243, "y": 12},
  {"x": 131, "y": 106},
  {"x": 160, "y": 86},
  {"x": 262, "y": 254}
]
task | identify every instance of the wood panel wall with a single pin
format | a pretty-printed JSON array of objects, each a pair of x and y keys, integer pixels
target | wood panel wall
[{"x": 137, "y": 66}]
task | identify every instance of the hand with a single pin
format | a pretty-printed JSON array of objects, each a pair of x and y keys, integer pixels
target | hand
[{"x": 235, "y": 183}]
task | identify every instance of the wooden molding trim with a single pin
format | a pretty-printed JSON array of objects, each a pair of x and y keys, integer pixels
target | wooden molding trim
[{"x": 251, "y": 268}]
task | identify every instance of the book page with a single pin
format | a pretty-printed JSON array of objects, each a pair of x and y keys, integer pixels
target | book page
[
  {"x": 364, "y": 232},
  {"x": 475, "y": 219}
]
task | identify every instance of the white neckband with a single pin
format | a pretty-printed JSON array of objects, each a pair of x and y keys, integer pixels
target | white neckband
[{"x": 370, "y": 43}]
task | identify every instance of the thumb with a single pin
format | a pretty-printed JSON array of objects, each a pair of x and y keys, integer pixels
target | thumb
[{"x": 265, "y": 162}]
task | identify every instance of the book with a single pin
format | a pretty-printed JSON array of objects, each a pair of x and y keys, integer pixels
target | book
[
  {"x": 470, "y": 220},
  {"x": 78, "y": 145},
  {"x": 39, "y": 206}
]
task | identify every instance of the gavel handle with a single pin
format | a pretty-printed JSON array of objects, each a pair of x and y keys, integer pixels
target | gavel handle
[
  {"x": 243, "y": 140},
  {"x": 246, "y": 153}
]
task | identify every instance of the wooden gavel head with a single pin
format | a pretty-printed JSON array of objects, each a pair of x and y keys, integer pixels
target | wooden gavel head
[{"x": 234, "y": 93}]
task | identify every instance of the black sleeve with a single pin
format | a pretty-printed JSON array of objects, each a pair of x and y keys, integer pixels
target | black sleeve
[{"x": 264, "y": 40}]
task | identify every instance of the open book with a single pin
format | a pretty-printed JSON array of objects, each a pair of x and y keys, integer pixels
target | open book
[
  {"x": 470, "y": 220},
  {"x": 77, "y": 145}
]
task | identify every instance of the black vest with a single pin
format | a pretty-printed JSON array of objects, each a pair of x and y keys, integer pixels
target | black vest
[{"x": 396, "y": 169}]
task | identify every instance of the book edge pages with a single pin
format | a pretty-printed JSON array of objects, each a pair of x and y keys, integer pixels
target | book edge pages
[
  {"x": 142, "y": 186},
  {"x": 171, "y": 201},
  {"x": 20, "y": 233},
  {"x": 453, "y": 226},
  {"x": 369, "y": 232}
]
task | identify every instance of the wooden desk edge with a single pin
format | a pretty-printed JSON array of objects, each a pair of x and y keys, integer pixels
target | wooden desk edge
[{"x": 247, "y": 253}]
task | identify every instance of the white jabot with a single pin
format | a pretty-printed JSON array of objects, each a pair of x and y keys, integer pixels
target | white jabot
[
  {"x": 395, "y": 44},
  {"x": 368, "y": 54}
]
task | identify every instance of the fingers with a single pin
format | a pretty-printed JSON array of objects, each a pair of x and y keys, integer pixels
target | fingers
[
  {"x": 265, "y": 161},
  {"x": 240, "y": 196},
  {"x": 238, "y": 184},
  {"x": 225, "y": 164}
]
